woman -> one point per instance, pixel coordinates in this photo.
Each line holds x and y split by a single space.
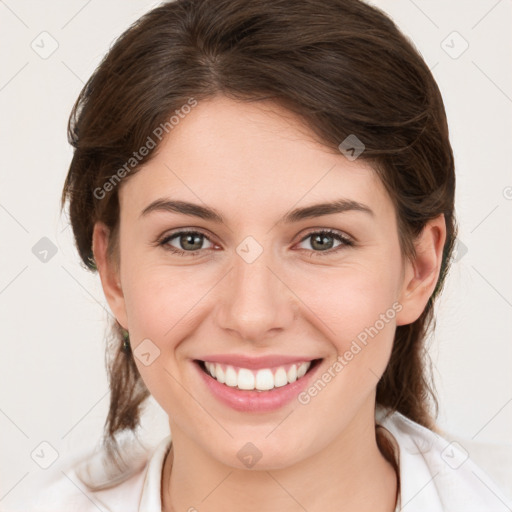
266 189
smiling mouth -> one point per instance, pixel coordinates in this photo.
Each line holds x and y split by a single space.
264 379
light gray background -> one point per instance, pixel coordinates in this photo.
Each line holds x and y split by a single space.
53 381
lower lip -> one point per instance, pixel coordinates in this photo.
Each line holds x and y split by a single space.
256 401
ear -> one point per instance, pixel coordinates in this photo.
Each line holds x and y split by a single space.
109 273
421 274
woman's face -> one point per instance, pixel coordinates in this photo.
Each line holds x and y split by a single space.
257 286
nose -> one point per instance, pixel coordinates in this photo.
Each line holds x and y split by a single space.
255 302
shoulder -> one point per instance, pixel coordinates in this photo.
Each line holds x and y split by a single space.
437 474
91 483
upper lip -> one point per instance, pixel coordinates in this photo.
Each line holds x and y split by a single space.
255 363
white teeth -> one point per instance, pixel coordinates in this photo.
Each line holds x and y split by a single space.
292 373
219 374
261 380
280 378
264 380
302 369
245 379
231 377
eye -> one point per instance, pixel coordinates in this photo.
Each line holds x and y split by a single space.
190 243
323 242
187 243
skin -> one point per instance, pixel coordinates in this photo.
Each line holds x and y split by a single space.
253 163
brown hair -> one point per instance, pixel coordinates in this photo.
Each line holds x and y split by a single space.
341 65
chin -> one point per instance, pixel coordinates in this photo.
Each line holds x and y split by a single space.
260 454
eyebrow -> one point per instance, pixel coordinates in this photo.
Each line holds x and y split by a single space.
296 215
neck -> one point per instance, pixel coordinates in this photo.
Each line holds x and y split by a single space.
349 474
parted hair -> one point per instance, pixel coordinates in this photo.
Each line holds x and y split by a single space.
342 66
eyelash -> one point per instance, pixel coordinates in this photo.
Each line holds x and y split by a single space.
345 242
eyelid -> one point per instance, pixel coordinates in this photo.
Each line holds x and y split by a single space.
331 231
345 241
162 240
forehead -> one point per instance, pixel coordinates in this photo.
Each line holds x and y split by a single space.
255 157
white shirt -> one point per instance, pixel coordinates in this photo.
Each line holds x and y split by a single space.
435 476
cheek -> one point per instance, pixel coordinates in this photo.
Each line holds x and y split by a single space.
355 308
160 304
166 306
349 299
158 297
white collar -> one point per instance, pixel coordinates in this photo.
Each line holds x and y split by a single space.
436 475
150 500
